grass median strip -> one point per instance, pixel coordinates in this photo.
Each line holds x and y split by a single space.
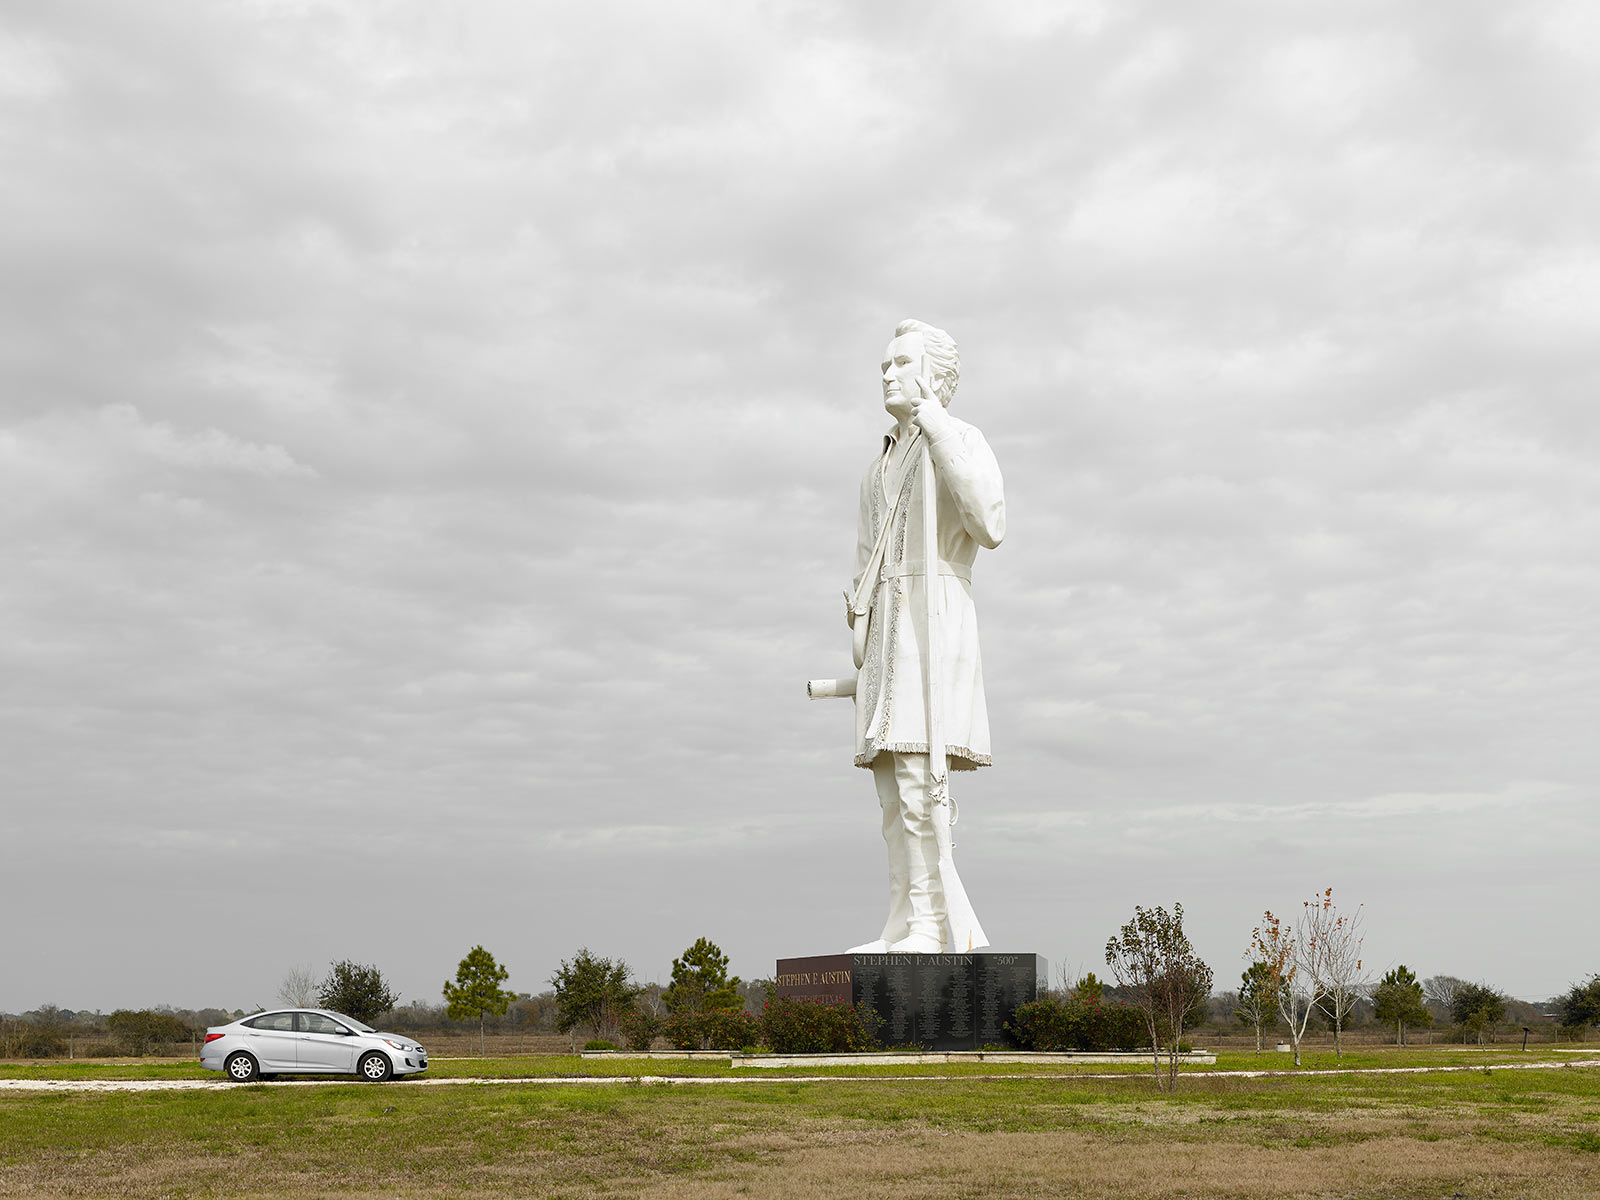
568 1066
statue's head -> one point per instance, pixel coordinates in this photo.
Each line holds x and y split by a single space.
922 340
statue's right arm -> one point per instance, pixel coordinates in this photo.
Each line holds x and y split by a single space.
968 467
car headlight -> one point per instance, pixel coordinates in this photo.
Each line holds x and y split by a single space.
396 1045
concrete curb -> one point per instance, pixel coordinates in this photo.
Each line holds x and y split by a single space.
891 1059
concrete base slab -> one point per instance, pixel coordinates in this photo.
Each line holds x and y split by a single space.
889 1059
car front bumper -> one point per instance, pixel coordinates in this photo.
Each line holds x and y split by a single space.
408 1063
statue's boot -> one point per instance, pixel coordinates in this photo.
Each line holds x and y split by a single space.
896 838
925 925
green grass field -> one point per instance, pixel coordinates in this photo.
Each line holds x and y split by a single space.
562 1065
892 1131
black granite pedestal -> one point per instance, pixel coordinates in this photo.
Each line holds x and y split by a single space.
937 1001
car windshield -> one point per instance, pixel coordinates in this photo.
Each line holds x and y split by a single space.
350 1021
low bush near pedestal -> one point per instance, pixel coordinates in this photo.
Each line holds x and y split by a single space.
796 1026
717 1029
1077 1024
714 1029
639 1029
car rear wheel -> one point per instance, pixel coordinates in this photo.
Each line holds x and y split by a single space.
241 1068
376 1066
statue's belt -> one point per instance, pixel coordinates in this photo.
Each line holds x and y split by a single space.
914 567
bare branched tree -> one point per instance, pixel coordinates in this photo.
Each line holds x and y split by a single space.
1336 938
299 988
1440 990
649 999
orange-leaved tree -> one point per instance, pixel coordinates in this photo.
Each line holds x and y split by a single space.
1278 952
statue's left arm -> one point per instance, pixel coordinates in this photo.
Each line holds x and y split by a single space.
967 467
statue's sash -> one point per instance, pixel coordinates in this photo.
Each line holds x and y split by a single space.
861 602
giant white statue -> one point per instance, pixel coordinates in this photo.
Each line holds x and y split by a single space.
931 497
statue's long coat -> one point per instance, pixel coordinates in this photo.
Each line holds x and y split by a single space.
891 703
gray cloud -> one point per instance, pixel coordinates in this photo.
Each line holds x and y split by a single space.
428 450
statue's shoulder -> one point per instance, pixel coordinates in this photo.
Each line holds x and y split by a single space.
965 430
964 427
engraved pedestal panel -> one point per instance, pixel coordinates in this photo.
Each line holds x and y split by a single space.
937 1001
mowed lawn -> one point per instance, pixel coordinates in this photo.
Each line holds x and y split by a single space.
512 1066
1488 1132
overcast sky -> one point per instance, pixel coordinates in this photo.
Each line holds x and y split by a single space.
430 439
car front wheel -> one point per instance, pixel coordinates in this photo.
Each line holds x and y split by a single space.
376 1066
241 1068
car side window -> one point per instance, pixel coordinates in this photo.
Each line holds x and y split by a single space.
317 1023
282 1022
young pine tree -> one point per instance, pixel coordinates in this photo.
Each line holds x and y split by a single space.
477 991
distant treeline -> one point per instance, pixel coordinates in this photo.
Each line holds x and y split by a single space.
52 1032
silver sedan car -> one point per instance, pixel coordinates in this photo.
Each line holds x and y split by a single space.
303 1041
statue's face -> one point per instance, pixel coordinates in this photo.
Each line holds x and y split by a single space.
902 362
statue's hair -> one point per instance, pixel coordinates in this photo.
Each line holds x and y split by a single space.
942 355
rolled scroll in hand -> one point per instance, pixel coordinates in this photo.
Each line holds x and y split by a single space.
821 689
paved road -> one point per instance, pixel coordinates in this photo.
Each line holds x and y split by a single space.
192 1085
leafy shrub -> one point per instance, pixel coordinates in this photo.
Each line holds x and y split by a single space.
1078 1024
358 991
599 1044
682 1030
1580 1008
39 1042
592 991
713 1029
141 1030
796 1026
730 1029
639 1028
